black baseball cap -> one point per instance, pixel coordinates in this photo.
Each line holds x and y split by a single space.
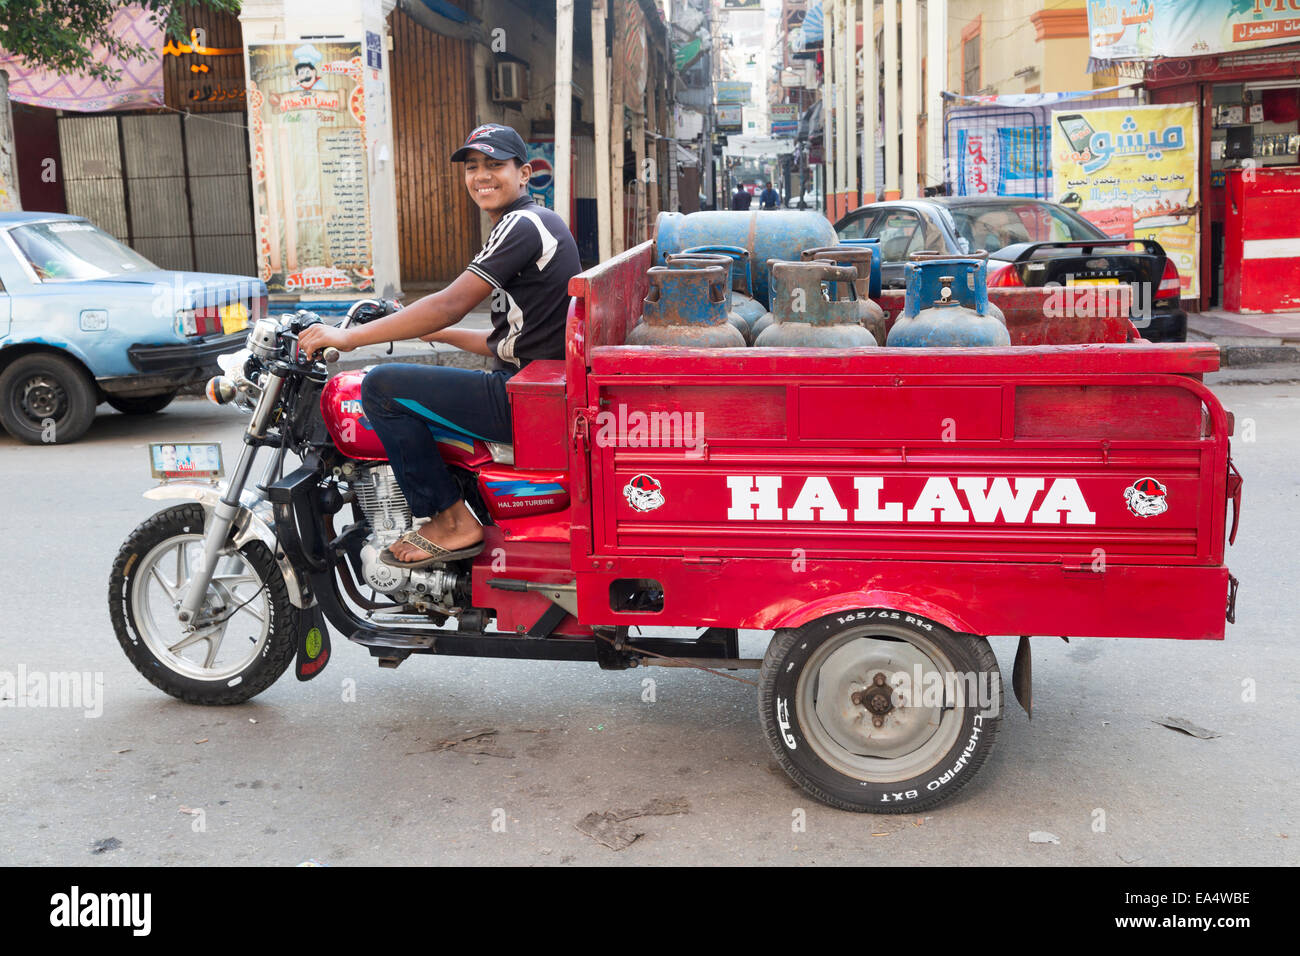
499 142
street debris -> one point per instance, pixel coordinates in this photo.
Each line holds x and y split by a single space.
103 846
203 741
1189 728
609 829
1129 857
190 810
1042 836
475 742
124 750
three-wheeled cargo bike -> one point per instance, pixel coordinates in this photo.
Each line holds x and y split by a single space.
880 512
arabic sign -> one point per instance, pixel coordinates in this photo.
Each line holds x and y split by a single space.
784 118
1142 29
1131 171
306 111
730 119
731 92
1008 161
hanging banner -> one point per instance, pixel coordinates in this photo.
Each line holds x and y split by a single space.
1141 29
140 85
731 92
1131 171
1007 161
306 111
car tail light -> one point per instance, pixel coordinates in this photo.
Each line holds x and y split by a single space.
1005 277
1170 285
204 321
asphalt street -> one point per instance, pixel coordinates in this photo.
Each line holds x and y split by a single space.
346 770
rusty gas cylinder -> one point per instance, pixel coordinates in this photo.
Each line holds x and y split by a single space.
870 314
687 307
814 305
698 260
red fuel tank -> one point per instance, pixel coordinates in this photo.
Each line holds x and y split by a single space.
340 407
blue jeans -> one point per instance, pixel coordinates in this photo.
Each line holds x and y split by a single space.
413 407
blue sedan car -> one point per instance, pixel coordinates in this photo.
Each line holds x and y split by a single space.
84 320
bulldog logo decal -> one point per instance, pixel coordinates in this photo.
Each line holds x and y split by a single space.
1146 498
644 493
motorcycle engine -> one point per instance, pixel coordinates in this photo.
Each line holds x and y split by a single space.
389 516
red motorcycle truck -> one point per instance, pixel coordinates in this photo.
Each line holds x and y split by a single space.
882 512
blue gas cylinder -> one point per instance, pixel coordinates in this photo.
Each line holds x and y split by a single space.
686 306
765 235
946 305
696 260
743 302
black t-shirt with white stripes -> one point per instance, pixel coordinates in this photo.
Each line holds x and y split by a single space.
528 259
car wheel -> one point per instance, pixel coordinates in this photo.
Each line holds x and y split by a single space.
879 711
141 404
46 399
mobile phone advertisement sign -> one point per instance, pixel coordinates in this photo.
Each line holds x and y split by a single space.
1142 29
1132 171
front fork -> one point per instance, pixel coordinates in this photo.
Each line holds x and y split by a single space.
223 515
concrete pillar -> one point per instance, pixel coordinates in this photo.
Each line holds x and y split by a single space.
850 103
911 59
830 104
600 80
870 92
890 55
936 59
563 107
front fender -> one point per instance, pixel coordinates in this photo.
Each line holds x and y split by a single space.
859 600
248 525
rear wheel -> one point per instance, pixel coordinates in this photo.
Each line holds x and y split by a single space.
247 629
879 711
141 404
46 399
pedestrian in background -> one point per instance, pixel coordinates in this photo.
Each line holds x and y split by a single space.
769 199
741 198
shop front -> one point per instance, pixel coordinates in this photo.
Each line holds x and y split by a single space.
1249 118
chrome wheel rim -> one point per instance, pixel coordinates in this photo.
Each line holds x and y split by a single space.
227 637
850 727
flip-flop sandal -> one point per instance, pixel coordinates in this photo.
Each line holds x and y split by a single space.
436 553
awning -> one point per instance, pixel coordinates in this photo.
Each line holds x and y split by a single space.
140 85
813 25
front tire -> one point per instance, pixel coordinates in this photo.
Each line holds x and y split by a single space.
254 631
46 399
879 711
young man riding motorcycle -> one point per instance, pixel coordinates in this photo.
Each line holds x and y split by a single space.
525 267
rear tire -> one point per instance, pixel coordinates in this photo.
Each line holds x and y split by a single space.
46 399
140 404
259 638
848 729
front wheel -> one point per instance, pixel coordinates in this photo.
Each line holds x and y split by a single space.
247 630
879 711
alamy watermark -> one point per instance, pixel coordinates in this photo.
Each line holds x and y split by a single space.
76 690
621 428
